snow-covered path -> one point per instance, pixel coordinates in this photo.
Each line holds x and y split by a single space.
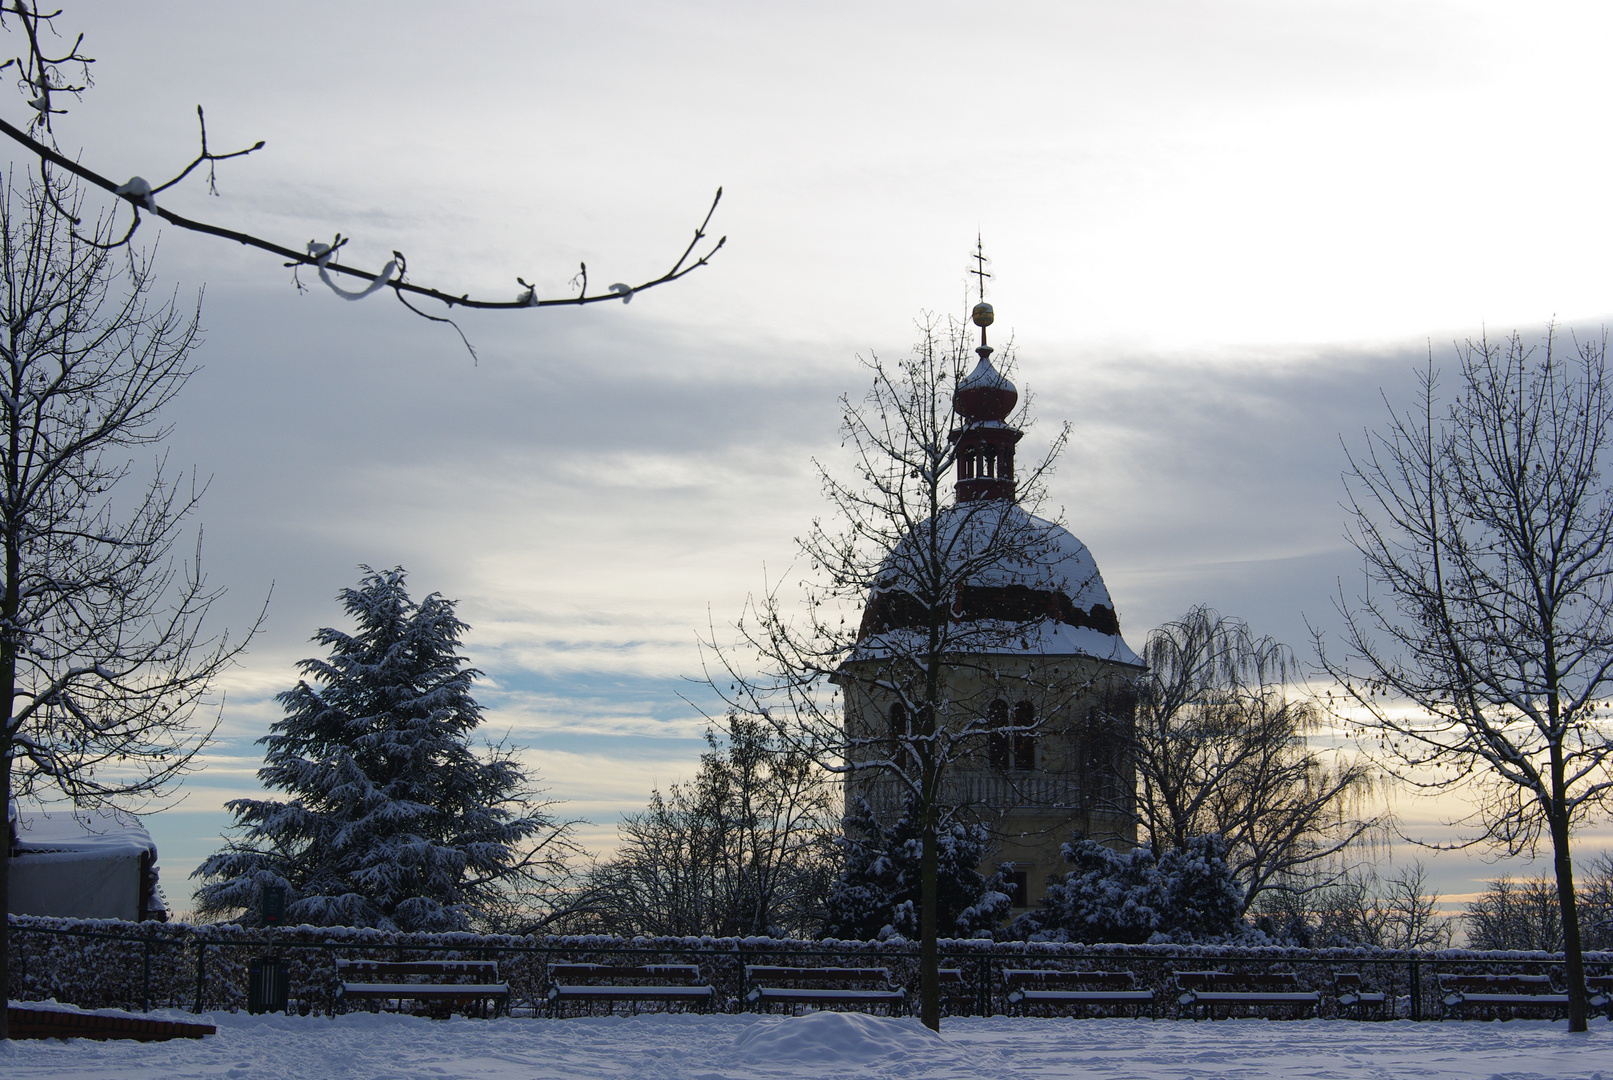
825 1045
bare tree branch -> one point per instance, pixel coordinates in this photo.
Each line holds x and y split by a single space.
43 75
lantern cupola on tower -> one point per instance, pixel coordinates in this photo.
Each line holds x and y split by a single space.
985 442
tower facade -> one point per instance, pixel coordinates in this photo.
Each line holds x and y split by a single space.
1025 726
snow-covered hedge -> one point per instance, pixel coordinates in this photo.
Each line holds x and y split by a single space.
107 963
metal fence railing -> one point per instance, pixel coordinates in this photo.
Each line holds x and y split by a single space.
151 965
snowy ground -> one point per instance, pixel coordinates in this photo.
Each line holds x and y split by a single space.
824 1045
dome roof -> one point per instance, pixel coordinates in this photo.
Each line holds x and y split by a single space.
1019 584
985 394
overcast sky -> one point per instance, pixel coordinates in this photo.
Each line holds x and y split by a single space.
1220 232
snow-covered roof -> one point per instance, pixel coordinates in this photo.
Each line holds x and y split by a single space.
89 831
1001 553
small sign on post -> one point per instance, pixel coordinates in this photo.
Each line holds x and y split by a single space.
272 904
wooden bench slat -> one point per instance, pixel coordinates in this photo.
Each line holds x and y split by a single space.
651 985
424 990
626 992
1199 990
1016 976
486 989
1507 999
1079 997
1227 997
617 971
418 967
808 993
826 974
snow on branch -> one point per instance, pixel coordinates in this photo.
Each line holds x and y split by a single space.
41 75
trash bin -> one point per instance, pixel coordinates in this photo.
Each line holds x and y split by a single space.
268 985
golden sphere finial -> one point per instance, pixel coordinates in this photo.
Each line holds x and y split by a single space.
982 314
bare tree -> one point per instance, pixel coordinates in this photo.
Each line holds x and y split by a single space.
1360 908
966 605
745 849
1220 748
1479 657
49 77
103 659
1516 915
1596 903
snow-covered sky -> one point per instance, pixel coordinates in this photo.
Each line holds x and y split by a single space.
1219 231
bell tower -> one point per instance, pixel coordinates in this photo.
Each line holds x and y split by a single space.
982 402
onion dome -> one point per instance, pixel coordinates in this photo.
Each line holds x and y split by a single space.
1030 588
982 401
1008 581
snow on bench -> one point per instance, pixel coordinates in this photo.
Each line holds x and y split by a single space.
1054 988
854 987
1208 989
459 992
1353 997
633 985
1600 991
1509 992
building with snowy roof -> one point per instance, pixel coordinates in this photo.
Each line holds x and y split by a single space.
1036 682
81 864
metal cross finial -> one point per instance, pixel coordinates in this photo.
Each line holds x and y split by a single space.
980 272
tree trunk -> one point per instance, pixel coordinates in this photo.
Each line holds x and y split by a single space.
929 926
5 884
1573 953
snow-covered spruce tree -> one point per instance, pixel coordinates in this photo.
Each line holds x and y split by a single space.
878 892
1111 896
394 820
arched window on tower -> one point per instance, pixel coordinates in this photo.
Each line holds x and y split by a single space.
1025 739
999 742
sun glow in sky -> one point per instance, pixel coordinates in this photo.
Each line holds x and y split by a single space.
1220 233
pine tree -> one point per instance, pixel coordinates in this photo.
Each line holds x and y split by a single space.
393 820
1113 896
877 895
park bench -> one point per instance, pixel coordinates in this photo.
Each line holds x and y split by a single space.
958 996
1599 989
667 984
1209 989
822 988
1354 998
1047 988
456 983
1508 993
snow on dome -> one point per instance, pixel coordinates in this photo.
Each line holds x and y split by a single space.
1021 585
985 376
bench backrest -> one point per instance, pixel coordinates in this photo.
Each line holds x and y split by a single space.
1114 980
838 975
1599 982
621 972
1506 983
1210 980
388 968
1347 980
